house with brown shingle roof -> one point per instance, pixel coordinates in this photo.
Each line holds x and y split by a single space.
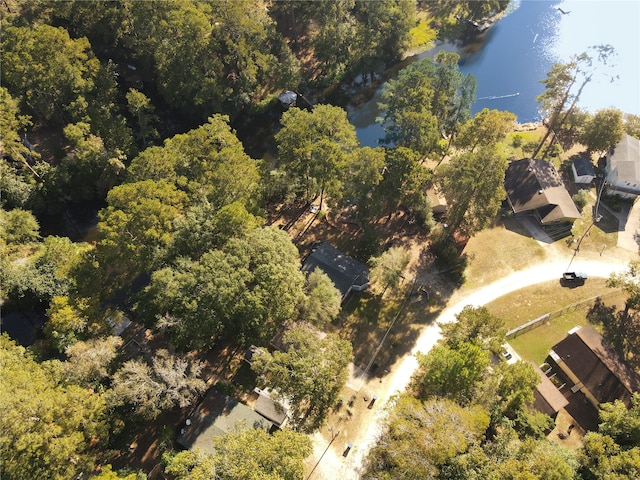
594 367
534 186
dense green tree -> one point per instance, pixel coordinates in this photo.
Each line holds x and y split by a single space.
383 31
452 373
136 225
387 269
629 281
408 119
245 454
246 291
32 282
404 183
15 189
142 109
309 373
364 173
510 458
209 57
314 147
89 170
166 381
603 131
486 129
601 457
203 227
477 326
517 382
12 123
208 162
336 33
427 101
54 74
107 473
323 299
473 184
421 437
60 80
632 125
48 429
453 93
621 423
65 323
18 227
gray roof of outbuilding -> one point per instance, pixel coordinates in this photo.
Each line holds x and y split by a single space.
547 398
583 167
344 271
216 415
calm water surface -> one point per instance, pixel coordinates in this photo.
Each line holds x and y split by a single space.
517 52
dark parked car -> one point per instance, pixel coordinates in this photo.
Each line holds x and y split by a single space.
573 279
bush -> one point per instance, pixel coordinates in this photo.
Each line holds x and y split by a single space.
517 140
581 199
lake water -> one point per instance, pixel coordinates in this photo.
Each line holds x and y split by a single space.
518 52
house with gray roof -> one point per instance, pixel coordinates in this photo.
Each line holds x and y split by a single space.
623 168
346 273
535 187
216 415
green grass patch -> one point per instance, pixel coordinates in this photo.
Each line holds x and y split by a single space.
522 306
535 344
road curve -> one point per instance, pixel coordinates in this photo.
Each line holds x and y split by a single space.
333 467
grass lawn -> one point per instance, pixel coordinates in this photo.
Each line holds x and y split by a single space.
498 251
535 344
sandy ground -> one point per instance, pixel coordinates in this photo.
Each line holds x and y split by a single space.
332 464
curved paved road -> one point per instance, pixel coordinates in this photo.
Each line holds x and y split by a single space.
334 466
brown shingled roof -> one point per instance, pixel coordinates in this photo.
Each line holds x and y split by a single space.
598 366
535 185
547 398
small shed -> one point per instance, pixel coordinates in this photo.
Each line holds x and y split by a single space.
583 171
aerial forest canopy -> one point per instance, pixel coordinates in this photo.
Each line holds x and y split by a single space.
148 173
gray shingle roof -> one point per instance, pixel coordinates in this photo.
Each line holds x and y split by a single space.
344 271
216 415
